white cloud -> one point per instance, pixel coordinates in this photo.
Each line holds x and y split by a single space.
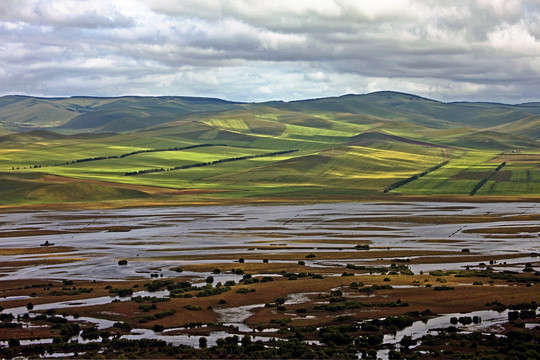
280 49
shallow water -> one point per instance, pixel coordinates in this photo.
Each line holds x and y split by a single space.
490 318
209 230
206 230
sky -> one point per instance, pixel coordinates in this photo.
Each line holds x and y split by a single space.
249 50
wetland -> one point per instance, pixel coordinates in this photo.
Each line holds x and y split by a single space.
351 280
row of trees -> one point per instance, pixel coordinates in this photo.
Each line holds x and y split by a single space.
188 166
486 179
97 158
414 177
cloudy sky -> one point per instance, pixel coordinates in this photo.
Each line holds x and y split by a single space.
279 49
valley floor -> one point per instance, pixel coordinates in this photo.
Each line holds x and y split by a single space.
387 279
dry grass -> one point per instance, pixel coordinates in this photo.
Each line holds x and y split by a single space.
504 230
319 255
36 250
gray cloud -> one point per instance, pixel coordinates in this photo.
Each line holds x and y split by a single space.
253 51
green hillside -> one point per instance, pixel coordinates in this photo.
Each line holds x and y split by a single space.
100 114
207 150
529 127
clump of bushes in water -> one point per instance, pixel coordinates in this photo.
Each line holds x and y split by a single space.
375 287
122 325
157 285
157 316
237 271
381 269
152 299
333 306
71 292
466 320
120 292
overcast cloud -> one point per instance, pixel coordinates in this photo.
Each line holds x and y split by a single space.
263 50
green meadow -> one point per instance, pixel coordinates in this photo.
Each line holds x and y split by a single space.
344 148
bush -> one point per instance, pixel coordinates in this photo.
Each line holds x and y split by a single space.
244 291
203 343
122 325
443 288
122 262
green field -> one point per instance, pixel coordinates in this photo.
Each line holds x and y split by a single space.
347 147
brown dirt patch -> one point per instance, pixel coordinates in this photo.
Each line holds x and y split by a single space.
319 255
504 230
36 250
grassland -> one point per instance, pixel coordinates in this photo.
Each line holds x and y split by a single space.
348 147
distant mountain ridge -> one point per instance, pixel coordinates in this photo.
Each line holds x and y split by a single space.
134 113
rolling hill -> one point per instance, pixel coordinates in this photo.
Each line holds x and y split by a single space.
335 148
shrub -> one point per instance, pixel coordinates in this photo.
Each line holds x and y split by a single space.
122 325
442 288
203 343
244 291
